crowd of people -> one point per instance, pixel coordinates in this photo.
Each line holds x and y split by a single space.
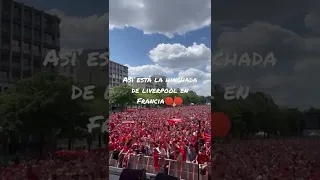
177 133
180 133
267 159
62 165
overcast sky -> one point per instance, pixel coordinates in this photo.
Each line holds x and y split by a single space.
289 29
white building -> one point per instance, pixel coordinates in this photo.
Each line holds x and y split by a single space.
159 85
144 85
117 72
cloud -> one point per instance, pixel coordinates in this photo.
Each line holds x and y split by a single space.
208 67
307 66
201 87
312 21
178 56
179 61
271 11
168 17
147 70
195 73
262 38
83 32
290 82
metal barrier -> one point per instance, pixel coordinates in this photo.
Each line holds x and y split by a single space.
180 169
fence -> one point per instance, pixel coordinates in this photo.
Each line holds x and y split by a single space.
182 170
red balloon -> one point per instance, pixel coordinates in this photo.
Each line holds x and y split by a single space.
220 124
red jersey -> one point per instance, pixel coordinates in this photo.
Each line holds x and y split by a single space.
156 160
202 158
184 154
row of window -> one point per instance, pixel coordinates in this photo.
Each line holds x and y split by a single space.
27 13
118 71
116 65
26 46
5 28
17 60
16 74
28 16
114 84
118 76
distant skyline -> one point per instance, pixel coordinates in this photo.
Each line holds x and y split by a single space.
152 40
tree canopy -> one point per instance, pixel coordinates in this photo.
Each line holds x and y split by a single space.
258 112
41 106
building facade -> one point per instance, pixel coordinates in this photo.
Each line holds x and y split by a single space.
26 35
144 85
116 74
96 75
159 85
89 75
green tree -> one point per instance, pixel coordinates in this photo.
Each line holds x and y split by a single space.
122 95
43 108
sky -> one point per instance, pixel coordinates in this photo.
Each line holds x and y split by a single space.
289 30
151 37
147 35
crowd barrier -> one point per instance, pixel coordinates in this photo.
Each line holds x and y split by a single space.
182 170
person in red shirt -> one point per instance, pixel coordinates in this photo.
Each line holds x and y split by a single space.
202 160
156 159
183 151
202 157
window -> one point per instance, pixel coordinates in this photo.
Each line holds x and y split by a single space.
27 31
5 58
17 12
37 34
3 75
5 27
26 62
27 16
37 63
16 43
16 29
36 48
16 59
26 46
26 73
38 18
5 41
16 73
49 38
